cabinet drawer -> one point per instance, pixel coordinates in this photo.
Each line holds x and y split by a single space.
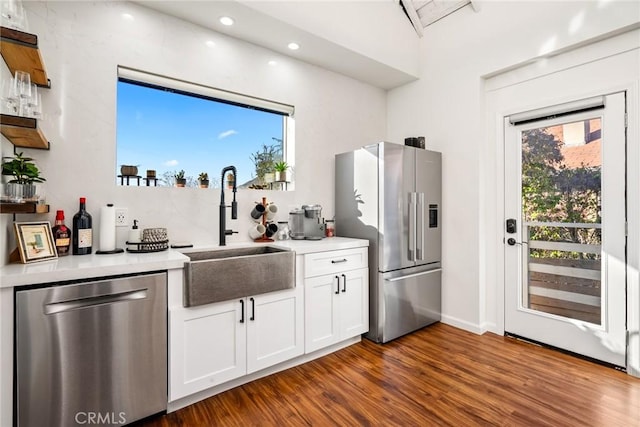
330 262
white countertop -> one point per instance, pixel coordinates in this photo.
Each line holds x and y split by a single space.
74 267
302 247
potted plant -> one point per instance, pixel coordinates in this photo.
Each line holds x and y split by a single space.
181 181
24 175
281 168
264 161
129 170
203 179
231 179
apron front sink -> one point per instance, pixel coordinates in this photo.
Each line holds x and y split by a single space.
222 275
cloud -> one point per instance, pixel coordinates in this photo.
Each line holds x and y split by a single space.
226 133
171 163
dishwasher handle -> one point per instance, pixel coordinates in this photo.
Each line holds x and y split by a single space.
76 304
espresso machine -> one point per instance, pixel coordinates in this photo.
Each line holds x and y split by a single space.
306 223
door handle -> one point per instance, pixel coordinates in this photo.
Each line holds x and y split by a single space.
412 226
338 287
420 228
59 307
338 261
241 311
512 242
344 283
408 276
253 309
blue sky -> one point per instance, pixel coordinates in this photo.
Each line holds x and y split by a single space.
168 132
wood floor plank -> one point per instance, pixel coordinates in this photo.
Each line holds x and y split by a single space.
438 376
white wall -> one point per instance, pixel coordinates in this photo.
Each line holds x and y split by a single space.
82 44
447 105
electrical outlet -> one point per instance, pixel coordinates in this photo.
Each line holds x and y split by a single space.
122 219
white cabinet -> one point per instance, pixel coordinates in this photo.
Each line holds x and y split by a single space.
336 297
275 329
215 343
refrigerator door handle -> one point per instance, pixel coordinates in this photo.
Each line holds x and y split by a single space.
408 276
412 226
420 228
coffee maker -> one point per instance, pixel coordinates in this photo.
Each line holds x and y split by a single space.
306 223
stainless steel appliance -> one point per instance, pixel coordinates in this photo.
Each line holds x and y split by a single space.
306 223
312 222
91 353
390 194
296 222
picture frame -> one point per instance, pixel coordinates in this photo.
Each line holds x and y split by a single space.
35 241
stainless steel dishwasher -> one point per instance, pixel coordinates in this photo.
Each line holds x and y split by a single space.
92 353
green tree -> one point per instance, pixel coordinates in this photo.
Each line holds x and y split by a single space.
551 192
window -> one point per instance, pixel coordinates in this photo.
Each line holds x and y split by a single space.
167 126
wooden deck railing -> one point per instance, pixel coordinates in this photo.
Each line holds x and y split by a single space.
562 286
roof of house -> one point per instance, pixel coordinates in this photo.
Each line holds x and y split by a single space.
587 155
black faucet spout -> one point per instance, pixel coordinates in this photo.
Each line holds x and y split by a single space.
223 207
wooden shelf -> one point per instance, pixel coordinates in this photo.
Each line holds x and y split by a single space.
23 208
23 132
20 52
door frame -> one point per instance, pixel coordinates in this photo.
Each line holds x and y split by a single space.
498 115
583 337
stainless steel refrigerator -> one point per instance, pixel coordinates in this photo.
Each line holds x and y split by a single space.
391 195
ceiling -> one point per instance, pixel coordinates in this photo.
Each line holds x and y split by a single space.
335 35
422 13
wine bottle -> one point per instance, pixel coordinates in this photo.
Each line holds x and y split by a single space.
61 235
82 233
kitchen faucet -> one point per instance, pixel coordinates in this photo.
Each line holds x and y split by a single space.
234 206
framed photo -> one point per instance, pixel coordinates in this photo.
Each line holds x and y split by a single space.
35 241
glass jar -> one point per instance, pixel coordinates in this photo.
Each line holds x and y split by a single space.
329 228
283 230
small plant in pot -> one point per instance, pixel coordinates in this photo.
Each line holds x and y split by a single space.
181 181
129 170
24 175
281 168
203 179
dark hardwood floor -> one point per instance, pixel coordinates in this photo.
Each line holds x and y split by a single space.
439 376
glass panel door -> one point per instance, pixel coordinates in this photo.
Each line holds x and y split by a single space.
565 237
561 194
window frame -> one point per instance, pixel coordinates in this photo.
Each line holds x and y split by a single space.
183 87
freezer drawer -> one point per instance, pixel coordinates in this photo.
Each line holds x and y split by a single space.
92 352
409 302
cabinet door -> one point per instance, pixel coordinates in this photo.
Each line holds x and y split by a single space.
320 312
353 303
208 347
275 328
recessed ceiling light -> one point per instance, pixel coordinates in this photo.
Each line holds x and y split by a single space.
210 43
293 46
272 63
226 20
127 16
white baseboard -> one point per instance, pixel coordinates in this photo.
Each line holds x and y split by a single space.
463 324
